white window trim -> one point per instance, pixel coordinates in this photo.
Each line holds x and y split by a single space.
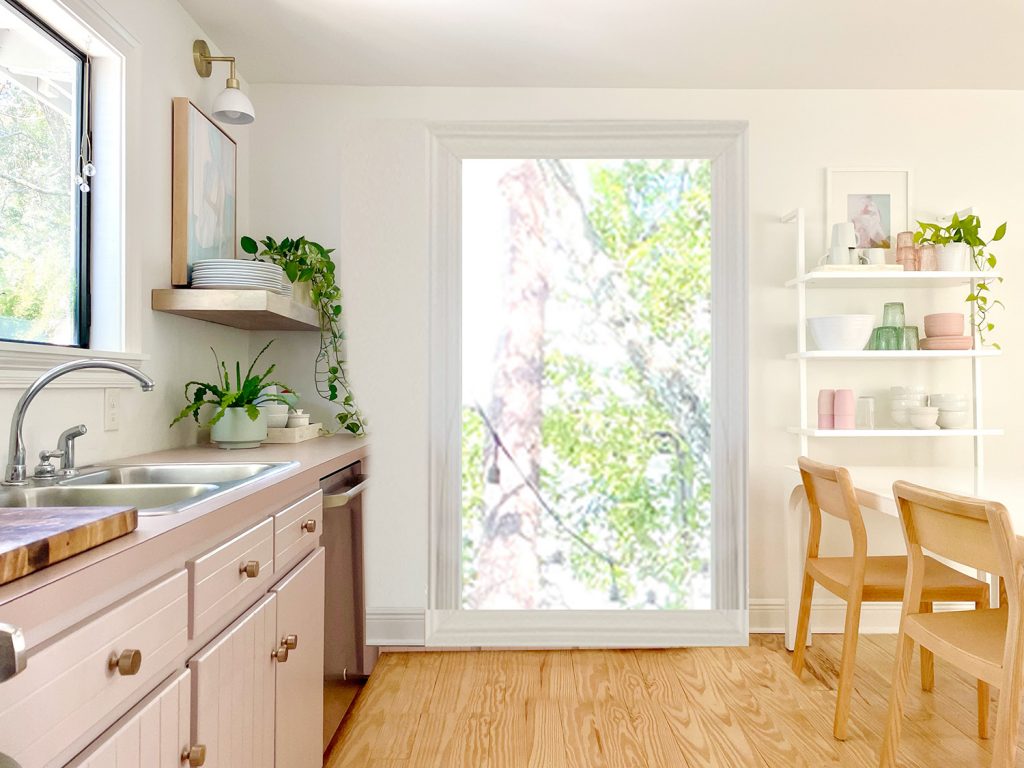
723 142
116 298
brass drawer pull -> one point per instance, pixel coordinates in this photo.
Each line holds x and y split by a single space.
309 526
280 654
250 569
291 642
194 756
126 663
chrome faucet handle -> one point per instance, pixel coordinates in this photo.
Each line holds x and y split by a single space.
44 470
66 444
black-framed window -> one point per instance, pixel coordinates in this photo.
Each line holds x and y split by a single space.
45 178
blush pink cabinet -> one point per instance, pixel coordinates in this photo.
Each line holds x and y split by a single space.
233 691
155 734
300 679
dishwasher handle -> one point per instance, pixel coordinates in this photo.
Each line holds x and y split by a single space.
337 500
12 651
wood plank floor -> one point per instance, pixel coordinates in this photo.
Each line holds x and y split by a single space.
649 709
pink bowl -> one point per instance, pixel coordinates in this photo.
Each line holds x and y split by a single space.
944 324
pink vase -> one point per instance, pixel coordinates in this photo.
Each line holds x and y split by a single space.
826 406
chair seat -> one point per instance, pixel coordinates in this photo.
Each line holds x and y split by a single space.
973 640
885 577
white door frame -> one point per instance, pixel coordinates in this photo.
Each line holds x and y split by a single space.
725 144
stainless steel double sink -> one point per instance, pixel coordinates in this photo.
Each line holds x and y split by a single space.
155 489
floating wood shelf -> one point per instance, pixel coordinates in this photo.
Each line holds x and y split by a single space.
253 310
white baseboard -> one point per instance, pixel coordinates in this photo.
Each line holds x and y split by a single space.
768 616
395 626
407 626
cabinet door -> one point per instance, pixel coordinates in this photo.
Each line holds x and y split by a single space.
152 735
233 692
300 679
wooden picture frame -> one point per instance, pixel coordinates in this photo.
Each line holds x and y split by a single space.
204 184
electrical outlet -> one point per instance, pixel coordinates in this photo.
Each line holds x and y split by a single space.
111 409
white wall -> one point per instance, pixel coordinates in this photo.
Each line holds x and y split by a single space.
348 166
159 68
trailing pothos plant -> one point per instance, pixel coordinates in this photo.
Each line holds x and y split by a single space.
305 261
967 230
245 393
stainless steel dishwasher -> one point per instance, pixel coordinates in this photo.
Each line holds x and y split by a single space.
346 655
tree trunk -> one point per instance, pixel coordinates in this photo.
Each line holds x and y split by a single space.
508 564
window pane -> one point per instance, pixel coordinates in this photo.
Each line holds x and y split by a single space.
586 384
40 87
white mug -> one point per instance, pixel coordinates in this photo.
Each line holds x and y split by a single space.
840 254
872 256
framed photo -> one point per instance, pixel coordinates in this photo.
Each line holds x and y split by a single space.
203 191
877 201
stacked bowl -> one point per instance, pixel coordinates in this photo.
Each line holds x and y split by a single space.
952 410
905 402
945 331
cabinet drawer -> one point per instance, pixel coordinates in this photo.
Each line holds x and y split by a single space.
69 686
152 735
218 580
297 531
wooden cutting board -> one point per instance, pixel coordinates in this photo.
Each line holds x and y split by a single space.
32 538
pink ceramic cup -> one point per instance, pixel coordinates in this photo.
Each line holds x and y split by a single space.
845 409
944 324
826 405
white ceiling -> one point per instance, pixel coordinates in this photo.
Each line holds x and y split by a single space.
624 43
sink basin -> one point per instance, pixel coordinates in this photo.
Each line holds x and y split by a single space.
161 474
152 499
154 489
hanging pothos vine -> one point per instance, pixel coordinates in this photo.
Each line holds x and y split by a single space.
307 262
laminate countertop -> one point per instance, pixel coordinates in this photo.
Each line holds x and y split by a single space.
52 599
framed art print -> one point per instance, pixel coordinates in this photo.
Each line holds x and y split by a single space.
203 191
877 201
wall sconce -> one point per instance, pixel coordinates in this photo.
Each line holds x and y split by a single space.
231 105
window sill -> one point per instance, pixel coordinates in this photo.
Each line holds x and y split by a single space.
21 364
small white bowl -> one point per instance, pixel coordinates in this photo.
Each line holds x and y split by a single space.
923 417
952 419
276 413
907 390
900 416
841 333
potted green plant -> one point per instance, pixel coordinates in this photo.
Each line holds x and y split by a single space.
308 262
237 421
961 247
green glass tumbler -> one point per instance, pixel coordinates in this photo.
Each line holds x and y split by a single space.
893 315
888 338
873 341
909 338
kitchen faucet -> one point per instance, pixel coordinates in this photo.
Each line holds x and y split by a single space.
16 474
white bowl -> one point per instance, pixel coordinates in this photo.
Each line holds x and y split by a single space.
908 402
923 416
948 401
901 416
912 390
276 413
952 419
841 333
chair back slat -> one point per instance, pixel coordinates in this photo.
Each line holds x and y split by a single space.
955 527
830 489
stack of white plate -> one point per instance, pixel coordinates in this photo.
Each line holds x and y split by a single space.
237 274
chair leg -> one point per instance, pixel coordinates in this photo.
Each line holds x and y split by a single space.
1004 745
984 696
897 700
844 690
927 659
803 621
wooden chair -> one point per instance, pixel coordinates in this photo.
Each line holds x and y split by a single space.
988 643
860 579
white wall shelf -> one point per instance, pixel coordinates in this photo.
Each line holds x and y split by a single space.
872 433
917 354
883 279
888 279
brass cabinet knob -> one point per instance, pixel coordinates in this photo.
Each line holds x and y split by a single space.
128 662
194 756
291 642
309 526
250 569
280 654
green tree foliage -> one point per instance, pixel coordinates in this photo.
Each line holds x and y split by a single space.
36 218
626 412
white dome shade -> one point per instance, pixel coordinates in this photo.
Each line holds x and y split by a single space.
232 106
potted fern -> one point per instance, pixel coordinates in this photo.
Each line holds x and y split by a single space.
307 262
237 421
